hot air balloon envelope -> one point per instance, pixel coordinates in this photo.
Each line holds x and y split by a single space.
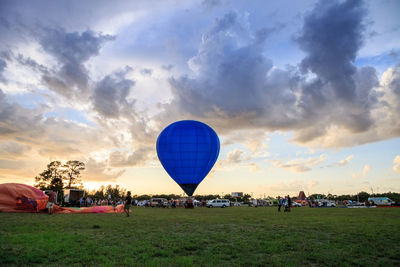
24 198
188 150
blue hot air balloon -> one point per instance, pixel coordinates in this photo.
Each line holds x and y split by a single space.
188 150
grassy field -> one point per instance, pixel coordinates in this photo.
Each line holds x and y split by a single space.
180 237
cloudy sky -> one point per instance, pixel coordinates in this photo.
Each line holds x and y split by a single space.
304 95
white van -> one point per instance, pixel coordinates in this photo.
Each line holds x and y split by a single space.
381 201
223 203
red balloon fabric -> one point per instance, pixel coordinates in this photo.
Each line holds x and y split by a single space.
94 209
21 198
24 198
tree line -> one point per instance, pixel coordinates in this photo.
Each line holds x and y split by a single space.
107 192
60 176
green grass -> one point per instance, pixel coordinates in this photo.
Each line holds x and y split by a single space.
180 237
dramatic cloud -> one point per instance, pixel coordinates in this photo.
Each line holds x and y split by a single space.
67 90
146 71
255 140
12 149
331 37
10 164
234 85
100 171
72 50
167 67
391 88
3 65
235 156
49 136
228 76
138 158
110 95
15 120
68 76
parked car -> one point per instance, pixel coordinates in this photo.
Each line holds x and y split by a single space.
354 203
327 204
223 203
142 203
331 204
158 202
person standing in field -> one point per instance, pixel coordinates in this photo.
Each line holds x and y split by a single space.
279 203
50 202
114 204
285 204
127 204
289 203
255 203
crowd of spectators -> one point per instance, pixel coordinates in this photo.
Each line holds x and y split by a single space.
89 202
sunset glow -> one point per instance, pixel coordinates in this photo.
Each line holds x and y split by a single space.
300 99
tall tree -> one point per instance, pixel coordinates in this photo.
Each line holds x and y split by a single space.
114 192
363 196
99 193
72 170
51 178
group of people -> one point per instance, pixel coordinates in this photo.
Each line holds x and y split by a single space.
127 202
88 202
286 202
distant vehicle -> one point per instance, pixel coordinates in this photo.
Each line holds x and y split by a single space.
142 203
326 203
331 204
381 201
352 203
72 197
158 202
237 204
223 203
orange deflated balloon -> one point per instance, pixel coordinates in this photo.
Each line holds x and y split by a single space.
21 198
